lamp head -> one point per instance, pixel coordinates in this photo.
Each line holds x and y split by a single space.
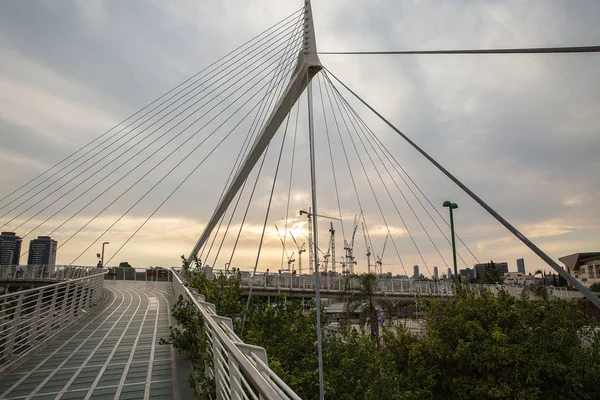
454 206
106 243
447 204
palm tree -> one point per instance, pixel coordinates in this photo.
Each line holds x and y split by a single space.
362 299
540 272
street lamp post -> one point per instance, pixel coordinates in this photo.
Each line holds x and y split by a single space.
452 206
102 259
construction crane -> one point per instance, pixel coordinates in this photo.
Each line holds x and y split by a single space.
367 247
301 250
349 248
332 246
309 215
290 259
379 258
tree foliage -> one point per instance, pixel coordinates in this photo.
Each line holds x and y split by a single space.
362 299
472 347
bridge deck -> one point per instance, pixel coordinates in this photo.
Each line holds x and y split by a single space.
112 352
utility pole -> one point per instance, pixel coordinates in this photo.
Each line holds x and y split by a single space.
102 259
452 206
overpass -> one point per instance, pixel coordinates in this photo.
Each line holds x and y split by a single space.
303 286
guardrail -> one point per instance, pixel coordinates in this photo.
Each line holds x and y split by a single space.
44 272
30 317
385 286
340 283
240 370
133 274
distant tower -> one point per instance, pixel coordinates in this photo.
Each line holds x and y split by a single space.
416 272
521 265
435 273
10 248
450 273
42 251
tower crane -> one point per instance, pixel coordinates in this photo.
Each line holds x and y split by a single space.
332 245
367 247
349 248
290 259
379 263
301 250
309 215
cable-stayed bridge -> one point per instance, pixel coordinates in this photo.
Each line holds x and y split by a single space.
287 144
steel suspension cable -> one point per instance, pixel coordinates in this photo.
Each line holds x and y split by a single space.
524 50
335 184
287 207
383 184
216 68
237 203
266 219
293 42
290 51
350 109
254 128
247 207
168 173
144 160
350 170
395 165
389 155
136 144
149 105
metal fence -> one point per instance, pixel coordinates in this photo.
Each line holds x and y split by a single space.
240 370
30 317
340 283
133 274
45 272
387 286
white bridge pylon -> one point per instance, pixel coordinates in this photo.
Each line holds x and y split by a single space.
307 67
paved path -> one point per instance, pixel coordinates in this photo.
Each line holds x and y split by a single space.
111 353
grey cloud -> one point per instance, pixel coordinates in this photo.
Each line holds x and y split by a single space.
523 132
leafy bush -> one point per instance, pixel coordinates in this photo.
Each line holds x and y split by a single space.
473 347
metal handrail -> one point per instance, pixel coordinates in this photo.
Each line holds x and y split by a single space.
45 272
33 316
238 367
338 284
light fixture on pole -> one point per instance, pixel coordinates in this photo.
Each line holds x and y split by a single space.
452 206
102 259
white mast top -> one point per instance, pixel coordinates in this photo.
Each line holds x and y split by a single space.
310 43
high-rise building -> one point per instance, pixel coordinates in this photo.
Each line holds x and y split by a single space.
10 248
501 268
416 272
521 265
435 273
449 274
468 272
42 251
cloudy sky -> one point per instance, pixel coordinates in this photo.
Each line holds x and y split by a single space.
522 131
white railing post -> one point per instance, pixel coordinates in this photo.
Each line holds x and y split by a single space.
240 371
50 318
36 318
65 301
12 336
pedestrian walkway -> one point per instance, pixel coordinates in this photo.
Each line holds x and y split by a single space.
111 353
